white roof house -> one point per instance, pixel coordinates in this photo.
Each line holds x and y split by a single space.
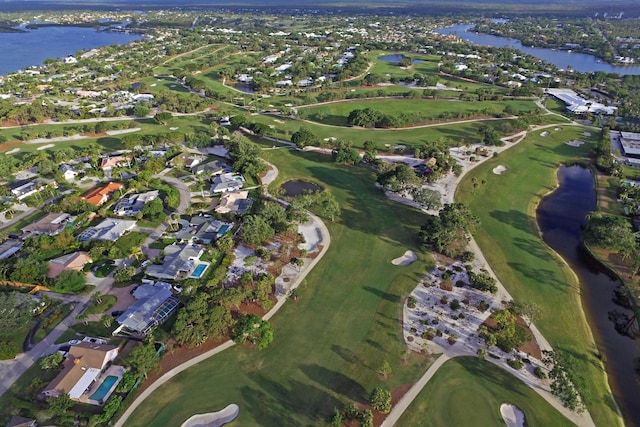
576 104
109 229
227 182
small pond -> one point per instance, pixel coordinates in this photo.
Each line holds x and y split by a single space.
243 87
296 188
396 58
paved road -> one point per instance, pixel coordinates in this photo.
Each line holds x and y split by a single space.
11 370
185 192
325 241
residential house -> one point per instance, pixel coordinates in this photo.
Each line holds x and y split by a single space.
215 167
108 163
53 223
23 189
179 262
73 261
204 229
132 205
100 196
227 182
236 202
82 367
155 303
68 172
10 247
109 229
17 421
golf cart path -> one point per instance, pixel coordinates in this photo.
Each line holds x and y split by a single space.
582 419
322 230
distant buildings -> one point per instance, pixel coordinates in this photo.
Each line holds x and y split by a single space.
578 105
630 144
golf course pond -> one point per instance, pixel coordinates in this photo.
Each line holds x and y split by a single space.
295 187
561 217
396 58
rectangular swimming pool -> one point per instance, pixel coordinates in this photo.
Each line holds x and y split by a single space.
199 270
104 388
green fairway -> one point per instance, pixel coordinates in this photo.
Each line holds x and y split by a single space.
530 271
430 109
468 391
385 139
329 344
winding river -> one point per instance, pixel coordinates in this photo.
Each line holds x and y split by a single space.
560 58
561 216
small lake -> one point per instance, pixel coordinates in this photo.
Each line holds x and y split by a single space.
560 217
296 188
560 58
21 50
396 58
243 87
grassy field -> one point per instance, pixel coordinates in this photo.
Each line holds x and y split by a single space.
328 344
337 113
107 301
458 134
530 271
468 391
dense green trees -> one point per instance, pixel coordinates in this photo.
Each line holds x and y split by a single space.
380 399
197 321
344 153
16 310
448 232
251 328
256 230
304 137
567 384
609 232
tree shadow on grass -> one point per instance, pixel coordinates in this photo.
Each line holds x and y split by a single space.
335 381
516 219
288 402
542 276
482 369
347 355
385 295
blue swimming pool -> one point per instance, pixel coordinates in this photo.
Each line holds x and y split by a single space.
223 229
104 388
199 270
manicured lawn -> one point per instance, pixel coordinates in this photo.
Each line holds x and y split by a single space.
108 301
337 113
458 134
328 344
467 391
530 271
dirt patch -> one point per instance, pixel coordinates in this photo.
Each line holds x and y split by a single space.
9 146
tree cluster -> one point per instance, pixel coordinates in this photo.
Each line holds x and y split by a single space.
448 232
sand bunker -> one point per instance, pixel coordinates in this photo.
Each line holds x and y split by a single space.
587 133
558 129
575 143
545 133
278 121
511 415
15 150
213 419
499 170
44 147
331 138
406 259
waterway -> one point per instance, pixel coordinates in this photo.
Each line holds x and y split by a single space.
21 50
560 58
396 58
560 217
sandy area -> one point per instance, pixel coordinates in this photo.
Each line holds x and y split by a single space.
574 143
312 236
278 121
44 147
587 133
511 415
213 419
406 259
331 138
15 150
122 131
558 129
499 170
545 133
